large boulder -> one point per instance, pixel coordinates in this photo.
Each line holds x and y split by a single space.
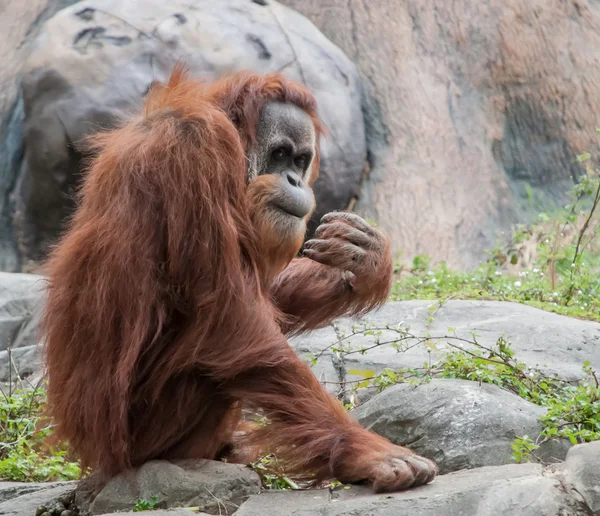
467 105
458 423
524 490
213 487
25 502
20 23
94 61
583 474
12 490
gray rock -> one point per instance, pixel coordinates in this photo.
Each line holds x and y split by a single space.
582 471
19 25
215 487
288 503
523 489
28 502
457 423
328 367
26 361
10 490
94 61
491 491
21 298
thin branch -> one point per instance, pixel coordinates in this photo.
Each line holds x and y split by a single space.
585 226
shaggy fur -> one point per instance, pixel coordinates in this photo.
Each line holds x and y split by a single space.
167 305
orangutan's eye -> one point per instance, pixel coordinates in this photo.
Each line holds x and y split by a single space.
279 153
301 161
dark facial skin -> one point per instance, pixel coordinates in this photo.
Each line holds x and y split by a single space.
286 143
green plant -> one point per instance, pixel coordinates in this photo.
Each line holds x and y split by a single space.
146 505
272 474
24 454
523 448
574 410
553 263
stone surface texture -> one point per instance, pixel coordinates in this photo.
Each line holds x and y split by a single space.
513 489
20 23
214 487
524 490
21 297
25 502
458 423
582 469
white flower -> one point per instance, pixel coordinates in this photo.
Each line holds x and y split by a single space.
433 280
517 284
535 271
420 282
497 273
580 292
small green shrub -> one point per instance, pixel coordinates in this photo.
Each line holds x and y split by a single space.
523 449
146 505
272 474
24 457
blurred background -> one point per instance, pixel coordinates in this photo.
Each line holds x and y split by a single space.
451 122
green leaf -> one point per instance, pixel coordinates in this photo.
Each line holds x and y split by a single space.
367 373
